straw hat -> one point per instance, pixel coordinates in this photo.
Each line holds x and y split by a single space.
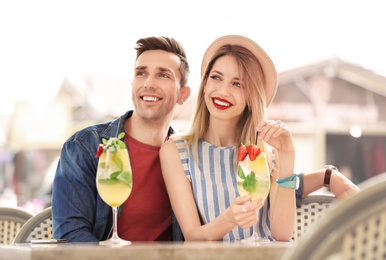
266 63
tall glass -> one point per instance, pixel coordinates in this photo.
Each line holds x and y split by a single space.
254 180
114 184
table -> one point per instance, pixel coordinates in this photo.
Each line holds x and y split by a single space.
145 250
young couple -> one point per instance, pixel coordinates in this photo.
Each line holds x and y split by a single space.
238 84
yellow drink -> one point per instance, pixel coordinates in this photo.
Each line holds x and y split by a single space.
114 180
113 192
256 181
261 191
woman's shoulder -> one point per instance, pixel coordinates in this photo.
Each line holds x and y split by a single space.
167 145
179 141
171 145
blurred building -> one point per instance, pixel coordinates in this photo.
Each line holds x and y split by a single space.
335 112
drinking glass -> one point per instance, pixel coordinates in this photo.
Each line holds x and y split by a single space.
254 180
114 185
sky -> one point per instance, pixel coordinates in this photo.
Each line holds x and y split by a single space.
44 41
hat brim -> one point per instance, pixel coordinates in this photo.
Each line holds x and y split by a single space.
266 63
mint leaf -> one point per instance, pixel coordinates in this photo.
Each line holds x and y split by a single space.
118 162
125 176
121 135
114 175
250 183
240 172
113 144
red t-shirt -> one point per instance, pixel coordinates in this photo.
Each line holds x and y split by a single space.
146 214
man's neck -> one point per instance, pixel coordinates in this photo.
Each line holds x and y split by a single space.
151 132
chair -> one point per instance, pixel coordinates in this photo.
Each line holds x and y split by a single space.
312 208
11 221
37 227
354 228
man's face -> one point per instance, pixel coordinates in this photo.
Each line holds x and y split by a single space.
156 84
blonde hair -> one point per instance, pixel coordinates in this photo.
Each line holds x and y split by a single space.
254 91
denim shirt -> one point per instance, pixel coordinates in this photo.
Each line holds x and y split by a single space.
78 212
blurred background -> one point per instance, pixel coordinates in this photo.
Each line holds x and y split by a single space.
67 64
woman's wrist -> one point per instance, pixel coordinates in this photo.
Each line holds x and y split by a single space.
291 182
286 154
287 165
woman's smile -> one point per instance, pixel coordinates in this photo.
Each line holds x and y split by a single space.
221 103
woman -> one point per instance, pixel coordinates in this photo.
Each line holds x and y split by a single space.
199 167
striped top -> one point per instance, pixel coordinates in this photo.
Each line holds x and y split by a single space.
214 184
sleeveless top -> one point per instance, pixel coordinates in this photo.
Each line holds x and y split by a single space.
214 184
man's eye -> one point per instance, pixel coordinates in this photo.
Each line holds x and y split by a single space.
140 73
164 75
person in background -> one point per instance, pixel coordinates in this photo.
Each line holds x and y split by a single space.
79 215
238 83
328 177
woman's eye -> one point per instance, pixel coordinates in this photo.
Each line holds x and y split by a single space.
215 77
237 84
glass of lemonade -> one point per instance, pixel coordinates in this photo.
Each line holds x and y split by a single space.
114 182
255 182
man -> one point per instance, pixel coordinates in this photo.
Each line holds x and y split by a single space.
79 215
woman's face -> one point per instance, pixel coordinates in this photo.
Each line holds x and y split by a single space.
224 94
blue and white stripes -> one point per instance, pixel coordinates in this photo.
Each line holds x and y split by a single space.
213 179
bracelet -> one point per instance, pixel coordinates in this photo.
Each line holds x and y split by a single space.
327 175
291 182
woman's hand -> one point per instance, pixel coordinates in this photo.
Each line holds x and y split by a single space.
276 134
242 212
